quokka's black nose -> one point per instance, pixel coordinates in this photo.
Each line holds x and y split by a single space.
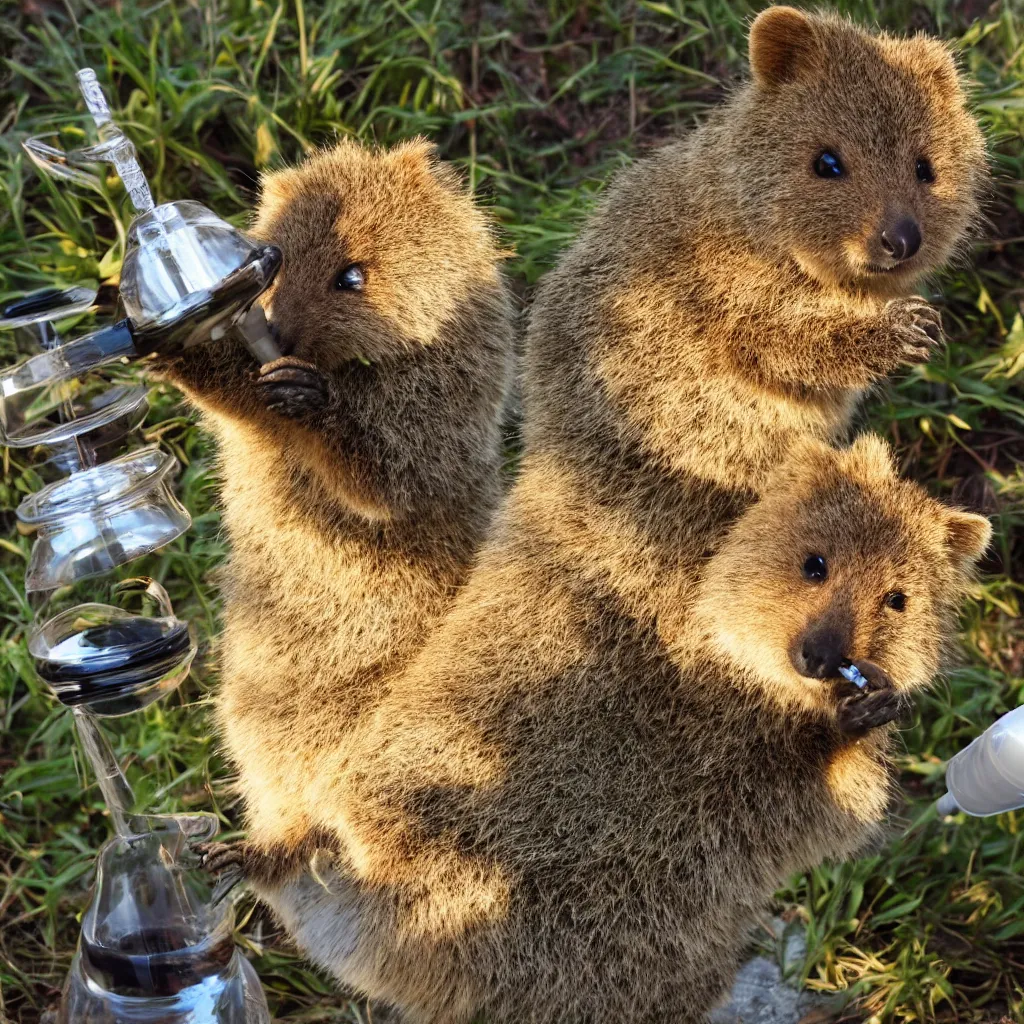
819 653
902 240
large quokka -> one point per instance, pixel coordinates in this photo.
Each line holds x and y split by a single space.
555 818
361 470
572 803
745 285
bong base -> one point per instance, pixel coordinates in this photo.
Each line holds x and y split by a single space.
231 996
155 948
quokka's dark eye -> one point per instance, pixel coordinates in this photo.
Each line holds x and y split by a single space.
896 601
828 165
923 170
350 279
815 569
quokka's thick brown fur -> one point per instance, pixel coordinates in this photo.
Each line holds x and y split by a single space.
554 817
360 471
572 804
724 298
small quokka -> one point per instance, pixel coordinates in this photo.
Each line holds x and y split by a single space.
553 817
360 471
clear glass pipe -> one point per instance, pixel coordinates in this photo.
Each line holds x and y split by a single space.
101 518
155 946
188 276
106 658
117 793
31 388
121 153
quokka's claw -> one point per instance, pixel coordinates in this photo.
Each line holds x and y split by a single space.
227 860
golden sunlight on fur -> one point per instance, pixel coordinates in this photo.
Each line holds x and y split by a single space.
551 815
564 790
361 470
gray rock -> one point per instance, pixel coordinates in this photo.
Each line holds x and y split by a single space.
760 996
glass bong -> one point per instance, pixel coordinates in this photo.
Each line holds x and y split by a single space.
155 945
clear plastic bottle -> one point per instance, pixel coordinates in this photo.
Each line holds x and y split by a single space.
154 948
987 777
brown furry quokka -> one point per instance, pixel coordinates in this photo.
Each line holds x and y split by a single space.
573 802
745 285
555 817
361 470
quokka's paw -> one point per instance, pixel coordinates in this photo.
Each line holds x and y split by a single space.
228 861
877 703
292 387
218 856
915 329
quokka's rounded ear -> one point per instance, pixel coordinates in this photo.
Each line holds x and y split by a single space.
870 458
967 535
804 450
418 149
420 154
805 458
933 63
276 190
278 186
783 46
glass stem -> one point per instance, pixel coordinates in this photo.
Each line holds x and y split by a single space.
113 784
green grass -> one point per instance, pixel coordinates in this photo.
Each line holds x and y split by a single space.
538 103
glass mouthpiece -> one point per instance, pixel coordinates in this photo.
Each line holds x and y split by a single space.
187 276
122 152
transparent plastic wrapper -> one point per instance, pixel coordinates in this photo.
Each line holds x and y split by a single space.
852 674
101 518
987 777
189 277
154 946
